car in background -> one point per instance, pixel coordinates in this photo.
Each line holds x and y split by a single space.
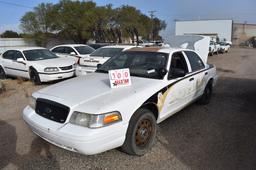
74 51
224 47
89 63
214 48
35 63
145 43
98 45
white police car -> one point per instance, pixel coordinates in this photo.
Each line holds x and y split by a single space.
87 116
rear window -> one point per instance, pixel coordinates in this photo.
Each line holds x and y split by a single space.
84 49
106 52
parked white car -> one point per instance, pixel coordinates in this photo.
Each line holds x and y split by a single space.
88 64
74 51
214 48
224 47
99 118
35 63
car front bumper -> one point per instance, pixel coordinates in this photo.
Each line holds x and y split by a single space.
45 77
76 138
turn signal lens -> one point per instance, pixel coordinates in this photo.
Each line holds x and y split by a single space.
111 118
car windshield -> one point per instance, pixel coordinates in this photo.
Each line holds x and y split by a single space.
140 63
222 43
38 54
106 52
84 49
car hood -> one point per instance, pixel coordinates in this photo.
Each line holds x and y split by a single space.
92 93
56 62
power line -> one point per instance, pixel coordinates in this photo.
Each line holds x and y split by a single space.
15 4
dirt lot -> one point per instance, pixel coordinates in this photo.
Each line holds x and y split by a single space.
220 135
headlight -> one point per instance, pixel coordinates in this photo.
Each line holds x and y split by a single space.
95 121
32 102
51 69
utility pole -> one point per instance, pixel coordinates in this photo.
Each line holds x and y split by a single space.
151 13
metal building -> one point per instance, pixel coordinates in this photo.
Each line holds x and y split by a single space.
216 29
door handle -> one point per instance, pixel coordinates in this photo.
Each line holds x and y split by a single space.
191 79
206 73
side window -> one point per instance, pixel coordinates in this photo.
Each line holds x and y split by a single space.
12 55
195 61
68 50
58 50
17 54
8 55
178 62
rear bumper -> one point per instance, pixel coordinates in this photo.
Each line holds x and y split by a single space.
76 138
83 70
45 77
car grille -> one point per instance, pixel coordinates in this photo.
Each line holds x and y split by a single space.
66 68
52 110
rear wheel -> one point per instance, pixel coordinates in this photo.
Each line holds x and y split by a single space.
34 77
2 73
206 97
141 133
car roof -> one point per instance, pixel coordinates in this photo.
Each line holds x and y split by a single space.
125 47
25 48
69 45
158 49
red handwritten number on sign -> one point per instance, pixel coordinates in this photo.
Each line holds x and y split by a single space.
126 74
113 76
119 75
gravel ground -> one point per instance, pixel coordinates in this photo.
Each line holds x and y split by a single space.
220 135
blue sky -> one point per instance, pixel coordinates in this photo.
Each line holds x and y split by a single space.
168 10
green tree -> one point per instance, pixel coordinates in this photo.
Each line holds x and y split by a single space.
38 23
10 34
158 25
84 20
75 19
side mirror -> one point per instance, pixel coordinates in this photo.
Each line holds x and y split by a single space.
176 72
99 65
21 60
162 72
72 53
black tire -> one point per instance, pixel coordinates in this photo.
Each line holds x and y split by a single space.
206 97
2 73
141 133
34 76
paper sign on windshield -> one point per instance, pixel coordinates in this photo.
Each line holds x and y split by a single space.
119 78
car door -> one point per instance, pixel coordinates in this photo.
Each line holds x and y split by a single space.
176 95
13 67
197 72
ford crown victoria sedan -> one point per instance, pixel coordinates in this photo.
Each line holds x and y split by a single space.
99 118
35 63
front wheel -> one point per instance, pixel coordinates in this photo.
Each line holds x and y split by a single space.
2 73
34 77
141 133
